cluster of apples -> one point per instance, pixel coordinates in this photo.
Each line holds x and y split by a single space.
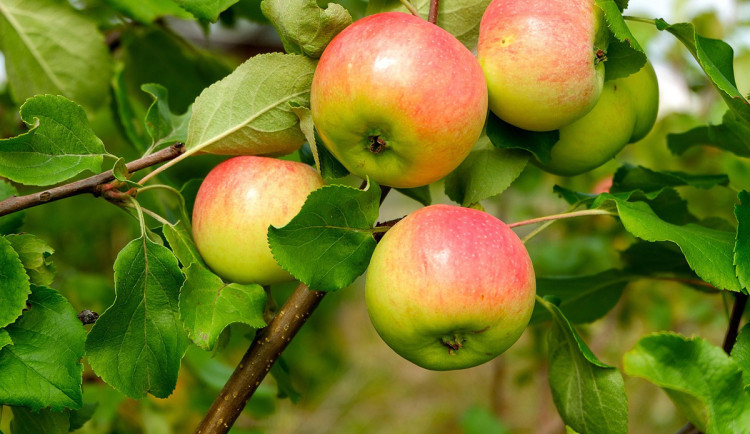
401 101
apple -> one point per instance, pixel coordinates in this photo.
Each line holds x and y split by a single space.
398 99
450 287
625 113
542 60
236 203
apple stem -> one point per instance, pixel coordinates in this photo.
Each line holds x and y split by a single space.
432 17
410 7
566 215
639 19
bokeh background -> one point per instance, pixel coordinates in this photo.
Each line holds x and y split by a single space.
340 375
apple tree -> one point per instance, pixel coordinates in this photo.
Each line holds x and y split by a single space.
196 194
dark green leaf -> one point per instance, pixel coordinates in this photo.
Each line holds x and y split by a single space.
645 258
136 345
742 240
189 190
250 111
35 257
741 353
15 284
506 136
10 223
43 366
589 395
627 54
50 48
329 243
280 373
182 245
484 173
628 178
702 380
39 422
208 305
60 144
459 17
420 194
147 12
330 167
733 135
206 10
582 298
5 338
78 418
161 124
304 27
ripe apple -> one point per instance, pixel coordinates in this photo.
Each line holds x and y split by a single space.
542 60
236 203
450 287
625 113
398 99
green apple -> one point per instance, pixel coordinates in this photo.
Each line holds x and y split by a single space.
625 113
450 287
542 60
398 99
236 203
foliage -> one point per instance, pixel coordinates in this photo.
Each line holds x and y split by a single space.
670 245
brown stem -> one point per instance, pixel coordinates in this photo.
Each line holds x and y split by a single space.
257 362
432 17
265 349
740 301
88 185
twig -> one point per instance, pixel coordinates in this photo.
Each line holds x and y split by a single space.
410 7
566 215
88 185
432 17
265 349
740 301
257 362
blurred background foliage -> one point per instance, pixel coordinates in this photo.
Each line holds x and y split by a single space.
342 377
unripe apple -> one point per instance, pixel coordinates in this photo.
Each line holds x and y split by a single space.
625 113
542 60
450 287
236 203
398 99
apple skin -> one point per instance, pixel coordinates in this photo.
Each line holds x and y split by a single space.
625 113
446 275
539 58
399 79
236 203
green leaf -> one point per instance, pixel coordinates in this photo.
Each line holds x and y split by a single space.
478 420
5 338
484 173
589 395
280 373
742 239
43 366
702 380
304 27
627 54
78 418
709 252
40 422
50 48
308 129
206 10
15 284
136 345
741 353
126 110
646 258
330 167
459 17
628 178
122 174
60 144
208 305
733 135
182 245
251 108
420 194
329 243
161 124
10 223
35 257
506 136
582 298
147 12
